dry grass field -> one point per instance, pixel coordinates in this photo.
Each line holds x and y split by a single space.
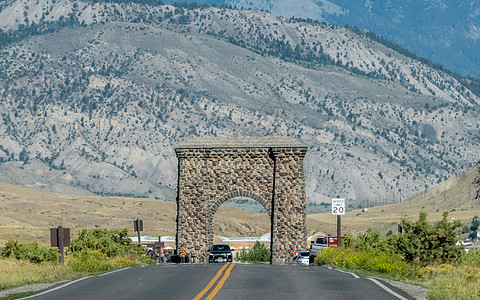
27 213
460 196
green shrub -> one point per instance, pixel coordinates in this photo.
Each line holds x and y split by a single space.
112 243
102 250
326 257
420 243
31 252
258 254
370 241
88 260
423 243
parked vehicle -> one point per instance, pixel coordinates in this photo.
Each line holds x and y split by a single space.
302 258
322 243
220 253
177 259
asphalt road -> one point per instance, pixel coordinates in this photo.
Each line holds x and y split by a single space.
223 281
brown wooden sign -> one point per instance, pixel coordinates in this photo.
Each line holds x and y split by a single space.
60 237
54 237
159 245
138 226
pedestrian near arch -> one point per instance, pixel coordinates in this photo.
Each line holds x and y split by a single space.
162 255
181 252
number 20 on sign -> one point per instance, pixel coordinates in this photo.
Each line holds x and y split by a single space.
338 206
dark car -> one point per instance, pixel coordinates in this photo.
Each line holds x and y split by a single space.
220 253
177 259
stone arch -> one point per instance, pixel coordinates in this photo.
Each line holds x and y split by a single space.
230 195
238 193
268 170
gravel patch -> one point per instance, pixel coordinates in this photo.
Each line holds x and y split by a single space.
417 292
29 288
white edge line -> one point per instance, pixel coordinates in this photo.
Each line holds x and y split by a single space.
72 282
387 289
57 288
353 274
114 271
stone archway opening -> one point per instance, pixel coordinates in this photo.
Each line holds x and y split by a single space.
245 203
241 222
266 169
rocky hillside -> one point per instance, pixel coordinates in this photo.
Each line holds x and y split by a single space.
95 95
446 32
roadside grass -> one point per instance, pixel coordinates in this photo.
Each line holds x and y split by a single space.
443 281
94 261
14 273
452 282
374 262
95 251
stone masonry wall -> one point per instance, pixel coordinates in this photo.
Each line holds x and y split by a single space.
289 231
209 177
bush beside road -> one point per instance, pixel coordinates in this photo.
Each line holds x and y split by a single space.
424 254
94 252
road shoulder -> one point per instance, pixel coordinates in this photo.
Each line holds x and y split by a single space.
30 288
415 291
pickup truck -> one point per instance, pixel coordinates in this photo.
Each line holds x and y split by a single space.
322 243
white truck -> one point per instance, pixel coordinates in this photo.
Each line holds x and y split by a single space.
322 243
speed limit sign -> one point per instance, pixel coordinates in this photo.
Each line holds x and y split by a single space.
338 206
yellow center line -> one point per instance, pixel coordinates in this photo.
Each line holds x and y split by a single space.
220 283
209 285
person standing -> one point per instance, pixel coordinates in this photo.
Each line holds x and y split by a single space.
182 254
162 255
150 253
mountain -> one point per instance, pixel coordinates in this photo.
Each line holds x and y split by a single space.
95 95
445 32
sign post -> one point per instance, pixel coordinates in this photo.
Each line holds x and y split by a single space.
60 237
338 208
138 226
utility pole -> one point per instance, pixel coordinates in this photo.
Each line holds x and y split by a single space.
61 244
339 230
444 188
